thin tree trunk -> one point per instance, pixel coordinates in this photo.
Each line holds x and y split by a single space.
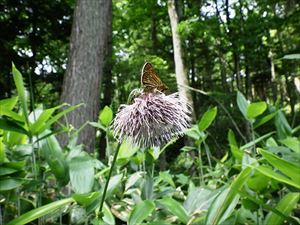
107 79
85 67
181 75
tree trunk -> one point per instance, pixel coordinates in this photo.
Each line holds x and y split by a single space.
181 75
85 67
107 79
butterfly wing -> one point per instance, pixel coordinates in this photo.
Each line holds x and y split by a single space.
150 79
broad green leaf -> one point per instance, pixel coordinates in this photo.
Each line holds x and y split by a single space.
293 143
290 169
257 140
113 184
242 103
285 206
166 176
281 178
18 79
57 117
193 132
258 182
140 212
175 208
11 114
227 197
81 174
235 150
86 199
6 170
207 118
292 56
52 152
11 125
108 217
198 199
127 150
106 116
282 126
41 211
264 119
255 109
8 103
10 183
42 119
133 178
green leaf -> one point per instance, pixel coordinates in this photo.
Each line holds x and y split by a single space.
41 121
41 211
81 174
6 171
18 79
263 120
133 178
113 184
108 217
127 150
242 104
167 177
51 150
140 212
207 118
235 150
106 116
9 103
86 199
226 198
270 173
255 109
285 206
56 118
7 112
290 169
175 208
198 199
292 56
282 126
10 183
257 140
11 125
292 143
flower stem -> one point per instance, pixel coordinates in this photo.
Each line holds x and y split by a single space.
109 176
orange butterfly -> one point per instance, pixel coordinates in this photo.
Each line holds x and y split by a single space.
150 80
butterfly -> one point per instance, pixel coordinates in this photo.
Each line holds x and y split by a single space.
150 80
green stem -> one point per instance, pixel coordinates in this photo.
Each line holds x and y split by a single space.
109 176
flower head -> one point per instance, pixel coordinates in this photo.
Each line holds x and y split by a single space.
152 119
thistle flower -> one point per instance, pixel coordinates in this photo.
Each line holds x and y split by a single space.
152 119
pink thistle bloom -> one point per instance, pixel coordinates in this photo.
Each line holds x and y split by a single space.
152 119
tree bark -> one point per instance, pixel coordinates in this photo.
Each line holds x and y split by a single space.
85 67
107 79
181 75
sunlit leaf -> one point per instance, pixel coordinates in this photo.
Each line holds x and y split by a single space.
242 103
255 109
207 118
285 206
175 208
106 116
140 212
41 211
290 169
81 174
18 79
